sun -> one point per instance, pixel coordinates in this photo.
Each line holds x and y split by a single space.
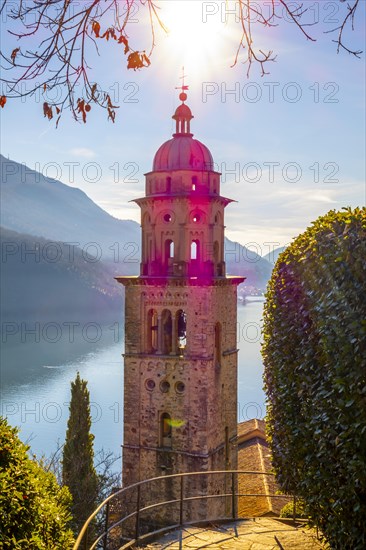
197 35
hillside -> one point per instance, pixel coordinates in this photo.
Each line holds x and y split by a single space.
272 257
35 205
242 261
54 283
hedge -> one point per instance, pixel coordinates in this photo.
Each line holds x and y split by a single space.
314 352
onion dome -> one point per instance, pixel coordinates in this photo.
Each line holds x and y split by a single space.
183 152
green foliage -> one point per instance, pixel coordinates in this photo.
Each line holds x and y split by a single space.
34 509
78 470
288 510
314 353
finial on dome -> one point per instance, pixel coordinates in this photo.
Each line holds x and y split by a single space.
182 96
183 115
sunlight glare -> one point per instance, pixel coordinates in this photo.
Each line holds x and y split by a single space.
196 38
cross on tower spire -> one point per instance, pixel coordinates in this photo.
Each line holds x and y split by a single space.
183 87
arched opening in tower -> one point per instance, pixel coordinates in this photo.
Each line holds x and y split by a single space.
167 326
181 323
169 250
165 430
152 331
195 250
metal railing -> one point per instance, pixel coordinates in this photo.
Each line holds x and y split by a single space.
134 532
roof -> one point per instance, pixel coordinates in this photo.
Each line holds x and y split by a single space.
182 152
254 456
183 111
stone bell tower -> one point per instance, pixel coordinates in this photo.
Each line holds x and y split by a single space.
180 362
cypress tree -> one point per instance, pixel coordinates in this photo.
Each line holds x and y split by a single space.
78 470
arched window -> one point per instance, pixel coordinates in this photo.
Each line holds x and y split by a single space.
169 249
168 184
181 323
195 249
152 331
194 183
165 430
218 337
167 326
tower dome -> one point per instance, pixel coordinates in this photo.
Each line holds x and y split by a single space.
182 152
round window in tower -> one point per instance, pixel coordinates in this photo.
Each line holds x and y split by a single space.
196 218
167 218
150 384
164 386
180 387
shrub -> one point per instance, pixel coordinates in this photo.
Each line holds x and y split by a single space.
314 353
288 510
34 509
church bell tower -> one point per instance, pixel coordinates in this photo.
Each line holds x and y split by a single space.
180 361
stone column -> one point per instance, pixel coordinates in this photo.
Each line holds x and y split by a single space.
160 335
174 335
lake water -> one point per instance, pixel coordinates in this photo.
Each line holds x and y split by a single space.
36 377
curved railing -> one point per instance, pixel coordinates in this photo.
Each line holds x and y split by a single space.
127 506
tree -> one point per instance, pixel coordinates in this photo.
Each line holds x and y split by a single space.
34 509
70 30
109 479
78 471
315 379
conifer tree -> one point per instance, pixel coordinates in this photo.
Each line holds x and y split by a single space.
78 470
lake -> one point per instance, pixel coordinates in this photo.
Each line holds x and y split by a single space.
37 369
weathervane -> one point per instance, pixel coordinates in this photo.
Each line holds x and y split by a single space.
184 87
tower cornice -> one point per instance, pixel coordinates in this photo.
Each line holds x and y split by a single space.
179 281
193 197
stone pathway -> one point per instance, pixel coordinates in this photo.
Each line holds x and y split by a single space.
250 534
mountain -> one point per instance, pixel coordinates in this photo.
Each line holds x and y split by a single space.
243 261
35 205
272 256
47 281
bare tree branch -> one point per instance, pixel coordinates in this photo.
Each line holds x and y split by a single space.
61 60
350 18
71 32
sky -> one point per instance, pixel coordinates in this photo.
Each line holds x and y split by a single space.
290 144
